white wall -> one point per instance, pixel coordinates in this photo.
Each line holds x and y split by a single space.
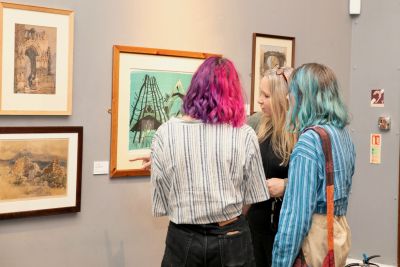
115 227
375 63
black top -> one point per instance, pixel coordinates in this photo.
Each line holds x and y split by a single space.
259 215
271 162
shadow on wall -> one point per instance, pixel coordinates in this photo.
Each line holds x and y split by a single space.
116 259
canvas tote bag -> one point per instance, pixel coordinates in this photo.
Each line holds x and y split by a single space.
327 244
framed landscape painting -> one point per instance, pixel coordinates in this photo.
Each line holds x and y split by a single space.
36 60
269 51
40 170
148 89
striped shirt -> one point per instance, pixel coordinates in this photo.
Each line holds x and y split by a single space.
203 173
305 193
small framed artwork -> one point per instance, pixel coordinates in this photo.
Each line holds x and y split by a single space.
40 171
148 89
269 51
36 52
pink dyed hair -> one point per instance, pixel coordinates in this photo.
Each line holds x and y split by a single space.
215 94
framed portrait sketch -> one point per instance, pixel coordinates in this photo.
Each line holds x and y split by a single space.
148 89
269 51
40 171
36 60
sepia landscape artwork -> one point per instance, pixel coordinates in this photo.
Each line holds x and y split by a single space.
155 97
35 59
31 169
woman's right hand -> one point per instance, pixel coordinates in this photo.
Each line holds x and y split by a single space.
146 162
276 187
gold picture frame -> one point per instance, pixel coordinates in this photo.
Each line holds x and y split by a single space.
144 80
36 60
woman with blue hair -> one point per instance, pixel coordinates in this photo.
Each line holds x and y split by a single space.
315 101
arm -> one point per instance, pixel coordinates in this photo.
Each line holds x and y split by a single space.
253 120
160 183
297 210
255 187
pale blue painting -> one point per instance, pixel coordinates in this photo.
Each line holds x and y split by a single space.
155 97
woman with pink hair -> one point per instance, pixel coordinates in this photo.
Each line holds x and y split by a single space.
205 167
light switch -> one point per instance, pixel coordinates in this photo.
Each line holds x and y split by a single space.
100 167
354 7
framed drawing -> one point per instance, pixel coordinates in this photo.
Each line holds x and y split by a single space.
269 51
40 171
36 52
148 88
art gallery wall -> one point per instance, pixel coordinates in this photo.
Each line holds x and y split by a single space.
115 227
375 63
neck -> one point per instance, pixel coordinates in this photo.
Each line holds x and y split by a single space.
188 118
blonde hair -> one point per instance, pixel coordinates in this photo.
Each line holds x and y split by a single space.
274 126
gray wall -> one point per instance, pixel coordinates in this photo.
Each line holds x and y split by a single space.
375 63
115 227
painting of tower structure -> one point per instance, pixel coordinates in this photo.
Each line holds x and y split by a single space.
35 59
155 97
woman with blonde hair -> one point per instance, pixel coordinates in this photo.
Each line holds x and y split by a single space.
276 144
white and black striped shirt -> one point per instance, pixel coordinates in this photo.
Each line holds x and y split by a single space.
204 173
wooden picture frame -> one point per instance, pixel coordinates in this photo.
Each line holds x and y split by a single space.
40 171
36 58
148 87
268 51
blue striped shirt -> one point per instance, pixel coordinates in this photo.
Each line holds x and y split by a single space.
204 173
305 193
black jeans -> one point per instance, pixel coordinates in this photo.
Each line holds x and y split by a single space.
209 245
263 222
263 245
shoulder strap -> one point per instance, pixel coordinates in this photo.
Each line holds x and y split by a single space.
327 148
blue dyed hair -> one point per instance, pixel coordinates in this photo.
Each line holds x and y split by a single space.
315 98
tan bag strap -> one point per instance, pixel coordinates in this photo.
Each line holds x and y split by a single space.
327 148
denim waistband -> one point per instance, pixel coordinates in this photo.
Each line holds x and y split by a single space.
212 228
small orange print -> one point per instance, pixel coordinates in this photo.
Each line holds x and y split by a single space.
376 139
375 148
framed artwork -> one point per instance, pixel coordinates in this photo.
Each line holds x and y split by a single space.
36 52
40 171
148 89
269 51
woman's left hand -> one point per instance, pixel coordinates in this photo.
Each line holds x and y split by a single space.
276 187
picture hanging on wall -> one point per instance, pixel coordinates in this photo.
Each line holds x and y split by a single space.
148 89
40 171
269 51
36 60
